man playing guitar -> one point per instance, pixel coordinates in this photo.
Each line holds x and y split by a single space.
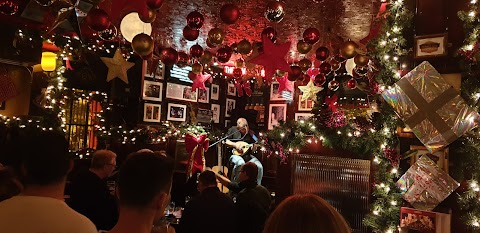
243 140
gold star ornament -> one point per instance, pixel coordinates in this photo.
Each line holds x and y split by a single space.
117 67
309 91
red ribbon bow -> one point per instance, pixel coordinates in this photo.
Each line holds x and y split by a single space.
244 86
331 101
196 146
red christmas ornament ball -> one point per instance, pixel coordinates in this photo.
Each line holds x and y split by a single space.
154 4
325 68
169 56
352 84
196 50
195 20
295 74
229 13
98 20
190 34
223 54
322 53
320 79
311 35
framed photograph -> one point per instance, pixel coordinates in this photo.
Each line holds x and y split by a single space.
215 92
231 90
431 46
177 112
204 115
152 90
216 113
277 113
204 95
181 92
227 123
151 112
306 105
275 95
302 116
152 70
230 107
440 156
2 105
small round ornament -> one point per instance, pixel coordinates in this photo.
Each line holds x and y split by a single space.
206 58
244 47
325 68
154 4
311 35
322 53
275 11
305 64
98 20
197 68
295 74
333 85
229 13
142 44
109 33
361 60
195 20
348 49
190 34
303 47
216 36
223 54
320 79
196 51
169 56
148 16
352 84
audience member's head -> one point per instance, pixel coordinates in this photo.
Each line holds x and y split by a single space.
305 214
104 163
206 179
45 159
144 182
249 171
144 150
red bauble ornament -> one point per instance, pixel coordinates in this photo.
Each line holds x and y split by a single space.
275 11
154 4
320 79
195 20
237 73
333 85
183 59
148 15
270 33
311 35
325 68
229 13
322 53
352 84
192 76
169 56
190 34
196 50
8 7
305 64
223 54
295 74
98 20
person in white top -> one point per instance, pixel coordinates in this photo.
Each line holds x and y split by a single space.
40 207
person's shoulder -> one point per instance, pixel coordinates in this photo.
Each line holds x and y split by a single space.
79 221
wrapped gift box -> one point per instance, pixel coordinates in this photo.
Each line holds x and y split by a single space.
431 107
424 221
425 185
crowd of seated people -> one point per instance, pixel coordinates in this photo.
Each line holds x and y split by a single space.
32 197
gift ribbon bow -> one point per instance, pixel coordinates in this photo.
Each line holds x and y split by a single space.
244 87
196 146
331 101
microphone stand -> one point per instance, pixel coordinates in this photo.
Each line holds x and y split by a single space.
221 139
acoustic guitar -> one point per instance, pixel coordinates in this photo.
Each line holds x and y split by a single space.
246 147
223 170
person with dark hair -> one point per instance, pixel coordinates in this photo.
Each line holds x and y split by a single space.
253 200
9 184
143 191
40 207
90 194
306 213
211 211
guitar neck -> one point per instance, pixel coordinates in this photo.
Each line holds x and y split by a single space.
219 154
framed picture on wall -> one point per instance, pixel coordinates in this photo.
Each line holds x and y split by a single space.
216 113
152 70
215 92
230 107
305 105
151 112
231 90
275 95
203 95
152 90
2 105
276 113
177 112
302 116
181 92
431 46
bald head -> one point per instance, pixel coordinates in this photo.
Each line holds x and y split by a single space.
242 125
